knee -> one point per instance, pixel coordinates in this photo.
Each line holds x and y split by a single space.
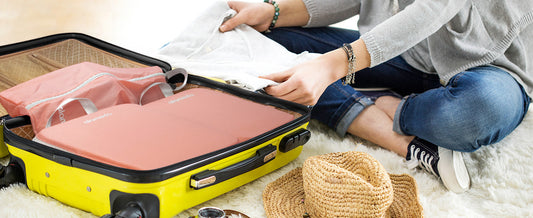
494 100
482 114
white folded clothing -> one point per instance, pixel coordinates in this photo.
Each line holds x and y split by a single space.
237 56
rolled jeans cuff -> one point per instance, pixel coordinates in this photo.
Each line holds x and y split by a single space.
396 122
351 114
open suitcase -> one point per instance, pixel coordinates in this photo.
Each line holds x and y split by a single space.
105 189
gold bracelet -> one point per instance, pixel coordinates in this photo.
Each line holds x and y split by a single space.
350 76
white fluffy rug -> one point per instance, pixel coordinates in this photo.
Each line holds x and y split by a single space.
502 181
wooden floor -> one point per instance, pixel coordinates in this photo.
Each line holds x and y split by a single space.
138 25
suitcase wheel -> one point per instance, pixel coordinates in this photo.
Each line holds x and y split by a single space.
11 174
127 205
131 211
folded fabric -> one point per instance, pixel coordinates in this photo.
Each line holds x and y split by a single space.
46 95
238 56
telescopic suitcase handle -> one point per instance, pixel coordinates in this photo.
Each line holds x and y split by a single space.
212 177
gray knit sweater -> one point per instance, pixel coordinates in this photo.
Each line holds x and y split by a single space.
440 36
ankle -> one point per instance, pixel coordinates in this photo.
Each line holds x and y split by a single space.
405 144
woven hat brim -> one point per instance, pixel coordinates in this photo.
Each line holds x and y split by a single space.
283 197
405 203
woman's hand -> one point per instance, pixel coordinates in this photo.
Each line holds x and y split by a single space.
305 83
258 15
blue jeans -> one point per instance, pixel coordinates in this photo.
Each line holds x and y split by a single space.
479 106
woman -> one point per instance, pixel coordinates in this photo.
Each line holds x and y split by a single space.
462 65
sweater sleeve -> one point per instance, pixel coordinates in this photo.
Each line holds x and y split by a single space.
408 27
326 12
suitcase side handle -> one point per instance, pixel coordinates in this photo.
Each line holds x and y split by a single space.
211 177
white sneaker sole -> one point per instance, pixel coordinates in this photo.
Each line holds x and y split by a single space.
452 170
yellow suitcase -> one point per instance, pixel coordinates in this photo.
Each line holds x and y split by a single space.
110 191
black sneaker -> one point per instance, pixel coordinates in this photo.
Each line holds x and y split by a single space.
446 164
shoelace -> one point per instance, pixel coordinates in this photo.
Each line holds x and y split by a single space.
425 160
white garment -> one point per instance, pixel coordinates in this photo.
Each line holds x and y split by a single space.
238 56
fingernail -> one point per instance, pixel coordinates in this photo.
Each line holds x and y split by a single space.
222 28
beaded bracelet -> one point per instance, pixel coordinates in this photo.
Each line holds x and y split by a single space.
276 13
350 77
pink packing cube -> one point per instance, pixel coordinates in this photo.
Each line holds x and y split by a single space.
186 125
40 97
235 116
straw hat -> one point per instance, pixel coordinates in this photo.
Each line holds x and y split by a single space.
344 184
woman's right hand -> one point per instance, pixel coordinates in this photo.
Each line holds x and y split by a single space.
258 15
305 83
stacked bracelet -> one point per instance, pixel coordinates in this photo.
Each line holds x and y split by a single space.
276 13
350 77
